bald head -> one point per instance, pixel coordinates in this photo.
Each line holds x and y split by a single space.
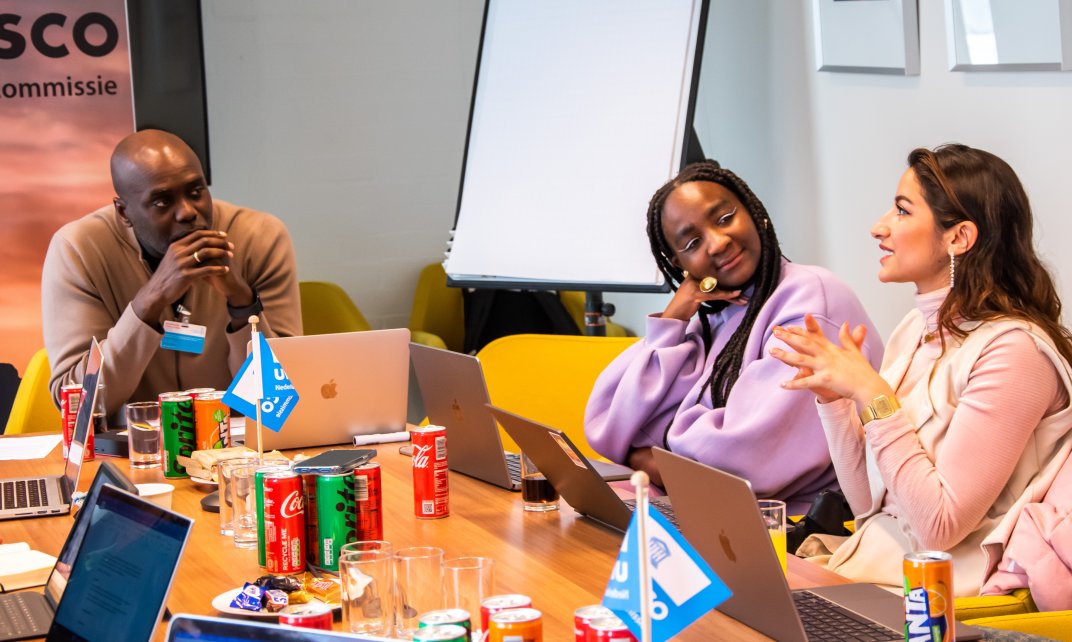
160 189
145 152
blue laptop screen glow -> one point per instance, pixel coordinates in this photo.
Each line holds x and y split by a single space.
122 573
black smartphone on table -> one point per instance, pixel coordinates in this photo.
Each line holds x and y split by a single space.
334 461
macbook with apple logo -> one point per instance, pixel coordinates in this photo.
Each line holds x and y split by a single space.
455 396
351 383
718 514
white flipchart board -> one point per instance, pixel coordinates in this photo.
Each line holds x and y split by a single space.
581 110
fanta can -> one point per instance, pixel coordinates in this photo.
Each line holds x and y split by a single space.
928 591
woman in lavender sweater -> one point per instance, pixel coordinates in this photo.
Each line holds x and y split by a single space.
701 383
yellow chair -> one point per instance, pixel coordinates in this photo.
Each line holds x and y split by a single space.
33 409
327 309
548 378
438 309
1054 625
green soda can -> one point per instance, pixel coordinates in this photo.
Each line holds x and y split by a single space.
442 633
336 517
312 551
258 486
176 431
457 617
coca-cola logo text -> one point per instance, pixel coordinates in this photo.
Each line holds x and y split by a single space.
420 456
292 505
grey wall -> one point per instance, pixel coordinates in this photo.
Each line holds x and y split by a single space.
347 119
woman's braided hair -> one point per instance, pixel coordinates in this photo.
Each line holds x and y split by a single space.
727 365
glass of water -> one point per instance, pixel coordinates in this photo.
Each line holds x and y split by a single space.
143 434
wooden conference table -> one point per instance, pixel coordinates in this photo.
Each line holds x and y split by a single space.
561 560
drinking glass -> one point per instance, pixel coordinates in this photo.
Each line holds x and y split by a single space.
418 586
244 524
224 475
537 493
143 434
367 574
773 512
466 582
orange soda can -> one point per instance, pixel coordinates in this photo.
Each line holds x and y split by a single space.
516 625
212 421
928 591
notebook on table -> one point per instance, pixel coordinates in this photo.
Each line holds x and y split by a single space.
28 614
350 383
719 516
573 476
455 396
51 494
121 575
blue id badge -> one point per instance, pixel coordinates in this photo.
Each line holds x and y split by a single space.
183 337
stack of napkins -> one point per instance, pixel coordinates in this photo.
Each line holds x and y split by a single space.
22 567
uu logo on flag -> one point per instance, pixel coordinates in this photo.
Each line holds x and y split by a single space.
262 377
683 586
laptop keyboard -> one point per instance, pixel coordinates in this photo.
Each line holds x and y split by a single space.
824 620
23 493
513 466
660 504
22 618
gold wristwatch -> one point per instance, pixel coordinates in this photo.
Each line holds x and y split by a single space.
880 407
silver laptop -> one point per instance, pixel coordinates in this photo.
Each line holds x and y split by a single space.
718 515
28 614
455 396
571 474
350 383
120 579
51 494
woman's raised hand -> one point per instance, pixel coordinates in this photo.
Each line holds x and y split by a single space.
830 371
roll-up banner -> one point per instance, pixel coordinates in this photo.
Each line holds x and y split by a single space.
65 101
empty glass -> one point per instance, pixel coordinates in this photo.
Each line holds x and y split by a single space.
224 473
245 502
367 574
418 586
466 582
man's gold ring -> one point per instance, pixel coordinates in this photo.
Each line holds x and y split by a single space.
196 257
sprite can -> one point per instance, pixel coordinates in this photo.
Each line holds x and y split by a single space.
176 431
336 517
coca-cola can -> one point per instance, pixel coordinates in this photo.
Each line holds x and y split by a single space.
431 490
307 616
368 495
70 401
584 616
284 523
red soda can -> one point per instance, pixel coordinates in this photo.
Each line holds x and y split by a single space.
284 523
583 616
70 402
609 629
431 492
368 495
496 603
307 616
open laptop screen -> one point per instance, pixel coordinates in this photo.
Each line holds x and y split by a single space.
84 418
122 574
57 579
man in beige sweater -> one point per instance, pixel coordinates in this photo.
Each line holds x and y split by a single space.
163 247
